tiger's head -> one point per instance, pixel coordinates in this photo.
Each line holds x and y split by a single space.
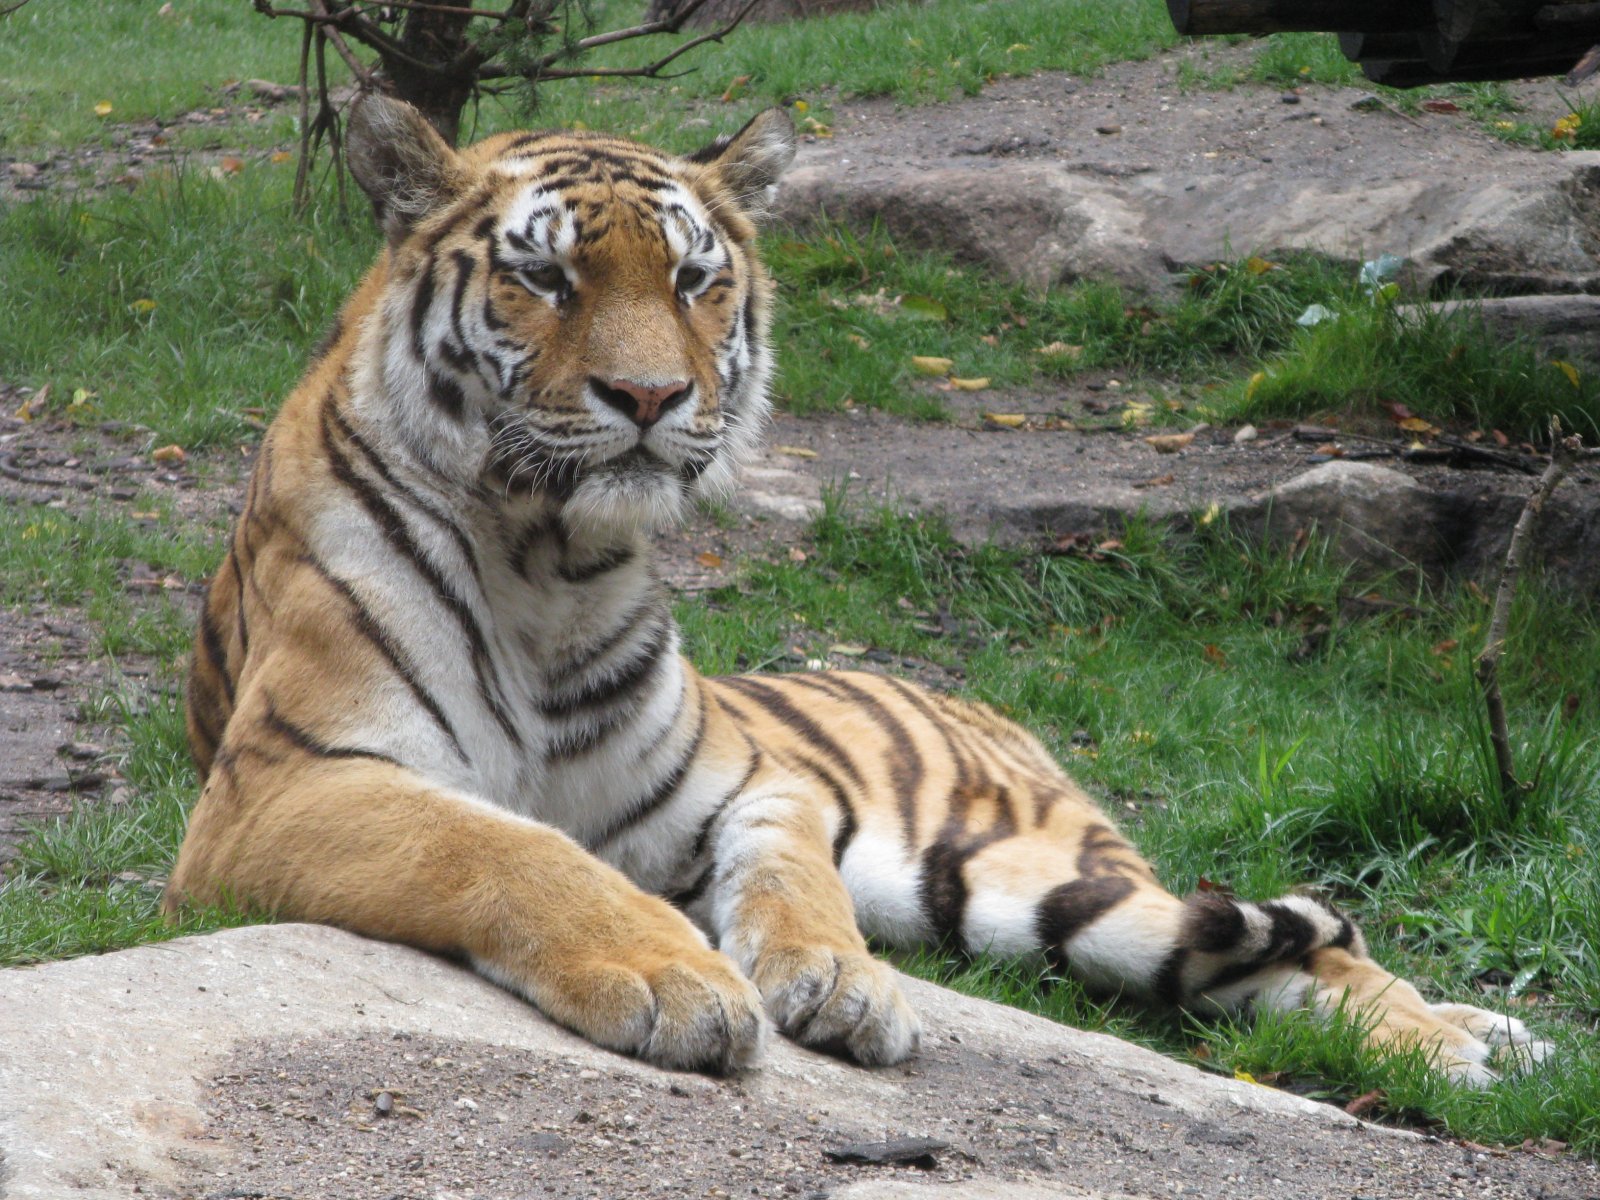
573 316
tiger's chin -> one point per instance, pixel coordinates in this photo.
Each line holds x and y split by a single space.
609 502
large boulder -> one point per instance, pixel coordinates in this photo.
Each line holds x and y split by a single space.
302 1061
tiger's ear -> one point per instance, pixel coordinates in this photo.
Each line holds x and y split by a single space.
752 160
400 161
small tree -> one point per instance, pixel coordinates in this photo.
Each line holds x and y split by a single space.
438 56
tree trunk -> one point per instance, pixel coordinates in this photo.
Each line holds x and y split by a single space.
441 89
719 12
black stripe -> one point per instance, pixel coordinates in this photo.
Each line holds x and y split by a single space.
606 692
562 674
304 740
446 395
848 825
764 695
906 768
421 302
664 791
367 625
606 562
393 528
1066 910
381 469
211 639
240 626
329 339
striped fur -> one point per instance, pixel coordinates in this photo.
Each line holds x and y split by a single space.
437 694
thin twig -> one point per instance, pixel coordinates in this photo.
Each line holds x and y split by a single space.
541 68
1563 453
447 9
302 169
11 8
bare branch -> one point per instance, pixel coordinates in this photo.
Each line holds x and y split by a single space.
541 69
1564 452
447 9
11 8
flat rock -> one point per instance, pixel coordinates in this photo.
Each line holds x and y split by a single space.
251 1062
1018 180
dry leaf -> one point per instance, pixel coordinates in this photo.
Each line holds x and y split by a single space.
734 88
1256 381
857 339
1417 425
969 385
1330 449
103 109
848 649
990 339
34 404
1157 481
1259 266
797 555
925 364
709 558
143 305
169 455
1215 656
1440 106
1444 647
280 156
1169 443
1007 420
1567 369
795 451
1365 1102
1060 350
231 164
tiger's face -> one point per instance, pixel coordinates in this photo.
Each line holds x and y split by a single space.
586 315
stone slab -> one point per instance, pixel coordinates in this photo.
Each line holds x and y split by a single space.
248 1062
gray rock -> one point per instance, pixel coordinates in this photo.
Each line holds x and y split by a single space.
1562 326
1039 224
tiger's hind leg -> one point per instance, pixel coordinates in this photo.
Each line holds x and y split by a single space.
1098 914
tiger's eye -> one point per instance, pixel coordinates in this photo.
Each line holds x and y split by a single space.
546 277
690 278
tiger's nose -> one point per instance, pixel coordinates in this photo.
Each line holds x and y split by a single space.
643 404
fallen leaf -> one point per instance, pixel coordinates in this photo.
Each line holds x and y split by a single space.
1168 443
1212 512
923 308
231 164
1136 414
1444 647
1331 449
103 109
1365 1102
1006 420
1256 381
797 555
990 339
1259 266
169 455
34 404
145 516
1567 369
1060 350
848 649
857 340
1440 106
969 385
1157 481
1215 656
1417 425
709 558
734 88
795 451
927 364
143 305
280 156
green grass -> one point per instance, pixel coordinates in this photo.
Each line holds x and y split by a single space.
59 60
1444 368
189 305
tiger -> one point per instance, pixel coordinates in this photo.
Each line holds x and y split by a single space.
437 694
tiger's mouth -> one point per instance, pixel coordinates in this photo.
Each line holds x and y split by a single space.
521 463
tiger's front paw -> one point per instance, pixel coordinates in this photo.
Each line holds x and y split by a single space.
843 1002
670 1000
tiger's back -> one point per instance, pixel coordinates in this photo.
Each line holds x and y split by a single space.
438 695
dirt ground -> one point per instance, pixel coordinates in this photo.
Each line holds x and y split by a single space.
416 1118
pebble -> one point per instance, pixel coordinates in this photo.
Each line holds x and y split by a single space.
1289 98
1245 433
1108 130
